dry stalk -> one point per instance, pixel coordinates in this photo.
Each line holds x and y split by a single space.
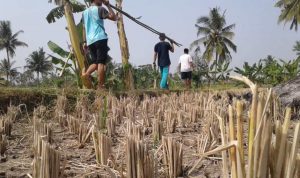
3 145
135 131
224 142
102 145
232 138
5 126
13 113
282 147
111 127
60 109
81 108
157 129
202 145
140 162
262 164
40 112
47 163
170 122
291 165
239 110
173 153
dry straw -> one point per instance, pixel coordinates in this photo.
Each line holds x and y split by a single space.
269 155
46 162
173 153
103 147
140 161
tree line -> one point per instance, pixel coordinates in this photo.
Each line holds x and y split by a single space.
211 66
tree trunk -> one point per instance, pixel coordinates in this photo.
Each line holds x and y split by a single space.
74 37
216 66
128 75
38 78
8 61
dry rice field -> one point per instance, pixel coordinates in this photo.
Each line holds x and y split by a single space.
241 133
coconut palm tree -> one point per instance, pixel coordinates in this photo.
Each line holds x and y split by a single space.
39 63
9 41
216 36
297 48
290 12
7 69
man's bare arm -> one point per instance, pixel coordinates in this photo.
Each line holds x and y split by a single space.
172 47
155 57
111 14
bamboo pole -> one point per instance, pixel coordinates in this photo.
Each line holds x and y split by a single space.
232 138
252 125
240 131
257 140
293 156
224 153
262 169
282 148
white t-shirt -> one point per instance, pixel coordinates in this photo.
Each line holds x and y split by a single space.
185 61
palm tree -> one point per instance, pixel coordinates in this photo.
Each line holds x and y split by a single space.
290 12
297 48
9 41
39 63
66 8
7 68
216 36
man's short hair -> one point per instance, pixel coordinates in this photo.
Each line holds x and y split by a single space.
162 36
186 51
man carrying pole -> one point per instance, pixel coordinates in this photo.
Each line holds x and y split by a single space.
161 52
95 37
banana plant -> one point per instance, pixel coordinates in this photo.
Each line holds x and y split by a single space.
253 72
67 8
223 70
273 72
63 62
290 69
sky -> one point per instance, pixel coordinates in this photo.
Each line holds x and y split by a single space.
257 32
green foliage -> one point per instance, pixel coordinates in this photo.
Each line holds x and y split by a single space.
39 63
216 36
297 48
68 71
270 70
7 69
253 72
290 12
145 76
9 42
59 11
223 70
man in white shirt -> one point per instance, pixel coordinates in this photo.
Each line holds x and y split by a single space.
186 66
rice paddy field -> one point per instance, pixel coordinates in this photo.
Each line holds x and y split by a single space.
230 133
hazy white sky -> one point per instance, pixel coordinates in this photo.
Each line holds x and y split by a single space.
257 32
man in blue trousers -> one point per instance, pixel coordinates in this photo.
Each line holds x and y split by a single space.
161 52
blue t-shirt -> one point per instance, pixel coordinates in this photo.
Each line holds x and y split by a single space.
162 49
93 19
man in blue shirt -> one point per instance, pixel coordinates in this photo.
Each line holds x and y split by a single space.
95 37
161 52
